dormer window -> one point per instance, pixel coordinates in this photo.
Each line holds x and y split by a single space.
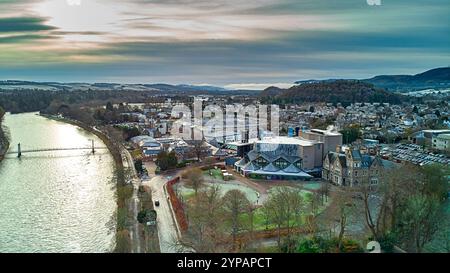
280 163
298 164
261 161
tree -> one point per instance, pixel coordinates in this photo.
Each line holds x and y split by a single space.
235 204
324 191
419 221
172 160
389 209
2 113
342 210
205 222
436 181
109 106
284 209
200 149
123 241
4 142
138 165
194 178
166 161
381 205
350 134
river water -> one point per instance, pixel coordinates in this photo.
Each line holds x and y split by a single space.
60 201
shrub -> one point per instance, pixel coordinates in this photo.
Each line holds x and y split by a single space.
122 220
176 204
141 217
351 246
123 242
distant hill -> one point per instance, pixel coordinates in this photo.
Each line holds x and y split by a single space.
56 86
431 79
438 78
343 91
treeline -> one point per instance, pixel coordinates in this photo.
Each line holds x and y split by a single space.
19 101
339 91
4 143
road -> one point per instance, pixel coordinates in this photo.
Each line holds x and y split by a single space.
134 202
167 231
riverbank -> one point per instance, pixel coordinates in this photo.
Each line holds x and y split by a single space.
126 203
4 143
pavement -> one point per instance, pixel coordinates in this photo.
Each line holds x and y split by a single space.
134 204
167 229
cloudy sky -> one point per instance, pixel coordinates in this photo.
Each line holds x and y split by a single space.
232 43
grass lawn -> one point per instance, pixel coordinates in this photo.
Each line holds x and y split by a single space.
260 222
216 173
224 187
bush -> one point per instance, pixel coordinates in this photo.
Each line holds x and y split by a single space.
322 245
125 192
176 204
308 246
166 161
123 242
122 220
141 217
387 242
351 246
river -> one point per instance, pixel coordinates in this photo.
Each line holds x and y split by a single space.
60 201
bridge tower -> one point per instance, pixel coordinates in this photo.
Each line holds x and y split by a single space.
19 151
93 147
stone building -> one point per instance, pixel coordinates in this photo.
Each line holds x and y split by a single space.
353 168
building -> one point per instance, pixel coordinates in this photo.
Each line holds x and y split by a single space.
353 168
425 137
441 142
149 146
330 139
283 158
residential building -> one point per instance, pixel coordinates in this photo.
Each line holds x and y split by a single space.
353 168
441 142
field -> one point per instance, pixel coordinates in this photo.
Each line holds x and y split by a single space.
214 177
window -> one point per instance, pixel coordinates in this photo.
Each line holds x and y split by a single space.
374 181
280 163
262 162
298 164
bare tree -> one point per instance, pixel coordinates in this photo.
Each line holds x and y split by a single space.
284 209
381 205
342 211
199 149
235 204
194 178
324 192
205 215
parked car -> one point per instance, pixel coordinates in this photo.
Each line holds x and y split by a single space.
157 203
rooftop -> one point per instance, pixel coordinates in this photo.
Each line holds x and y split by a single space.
324 132
287 140
444 136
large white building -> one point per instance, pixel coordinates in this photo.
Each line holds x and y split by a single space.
286 158
441 142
